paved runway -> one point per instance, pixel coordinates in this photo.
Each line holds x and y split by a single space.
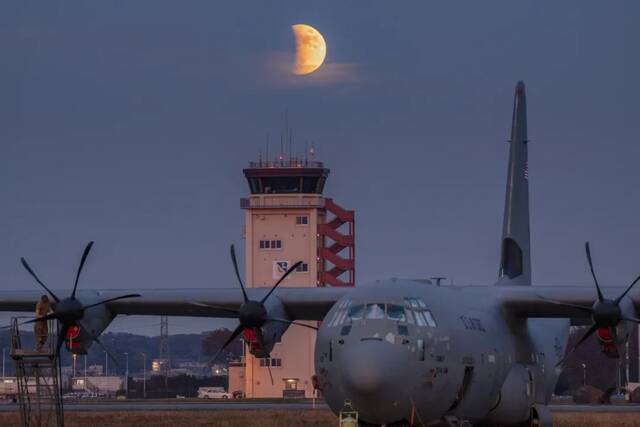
150 405
631 408
140 405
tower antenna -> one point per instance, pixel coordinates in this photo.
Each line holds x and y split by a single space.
290 144
281 148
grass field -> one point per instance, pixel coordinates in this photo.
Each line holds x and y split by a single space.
268 418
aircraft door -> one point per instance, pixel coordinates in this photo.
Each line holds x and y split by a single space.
464 387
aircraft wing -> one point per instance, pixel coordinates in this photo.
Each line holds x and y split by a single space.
309 303
542 301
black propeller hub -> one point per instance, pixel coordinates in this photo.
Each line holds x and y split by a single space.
252 314
606 313
69 310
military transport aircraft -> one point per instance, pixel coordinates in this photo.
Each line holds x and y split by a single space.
402 351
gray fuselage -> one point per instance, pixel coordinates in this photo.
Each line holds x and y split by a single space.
403 348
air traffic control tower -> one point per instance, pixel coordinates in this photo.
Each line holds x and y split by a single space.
287 219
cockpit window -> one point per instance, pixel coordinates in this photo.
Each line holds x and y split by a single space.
356 312
414 312
396 312
420 320
374 311
340 315
415 307
429 317
409 314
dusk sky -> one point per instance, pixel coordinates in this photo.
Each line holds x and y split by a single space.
129 123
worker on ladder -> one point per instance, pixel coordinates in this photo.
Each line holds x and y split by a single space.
41 327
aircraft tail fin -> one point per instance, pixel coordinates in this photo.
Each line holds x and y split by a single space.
515 259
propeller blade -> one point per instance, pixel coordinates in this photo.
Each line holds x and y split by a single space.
590 332
627 290
588 250
61 337
232 337
566 304
82 261
269 369
290 322
26 266
42 319
235 266
215 307
97 340
284 276
84 307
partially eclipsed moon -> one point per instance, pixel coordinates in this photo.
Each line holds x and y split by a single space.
310 49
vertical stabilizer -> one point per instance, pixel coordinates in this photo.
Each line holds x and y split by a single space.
515 260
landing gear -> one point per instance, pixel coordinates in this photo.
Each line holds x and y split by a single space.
541 416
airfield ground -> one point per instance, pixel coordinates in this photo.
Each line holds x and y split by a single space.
278 418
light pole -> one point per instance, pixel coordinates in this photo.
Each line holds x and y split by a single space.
126 375
74 356
144 375
626 362
584 374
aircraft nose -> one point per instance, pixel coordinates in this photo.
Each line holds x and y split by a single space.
369 377
369 369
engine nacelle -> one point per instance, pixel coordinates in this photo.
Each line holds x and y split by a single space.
612 339
515 398
262 340
94 322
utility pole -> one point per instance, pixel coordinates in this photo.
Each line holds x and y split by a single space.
164 343
164 352
627 366
126 375
144 375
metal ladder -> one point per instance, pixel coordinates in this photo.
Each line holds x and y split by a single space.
38 376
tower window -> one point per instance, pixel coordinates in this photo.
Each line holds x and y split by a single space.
270 244
302 268
302 220
272 362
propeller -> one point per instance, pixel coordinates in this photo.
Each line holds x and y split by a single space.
252 314
606 313
69 311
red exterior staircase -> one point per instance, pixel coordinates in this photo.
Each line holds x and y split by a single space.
338 247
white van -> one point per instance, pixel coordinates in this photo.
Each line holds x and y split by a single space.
213 393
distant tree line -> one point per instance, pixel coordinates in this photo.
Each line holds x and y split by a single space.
183 348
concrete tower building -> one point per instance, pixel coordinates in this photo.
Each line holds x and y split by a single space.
287 219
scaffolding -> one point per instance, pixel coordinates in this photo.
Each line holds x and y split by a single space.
38 376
